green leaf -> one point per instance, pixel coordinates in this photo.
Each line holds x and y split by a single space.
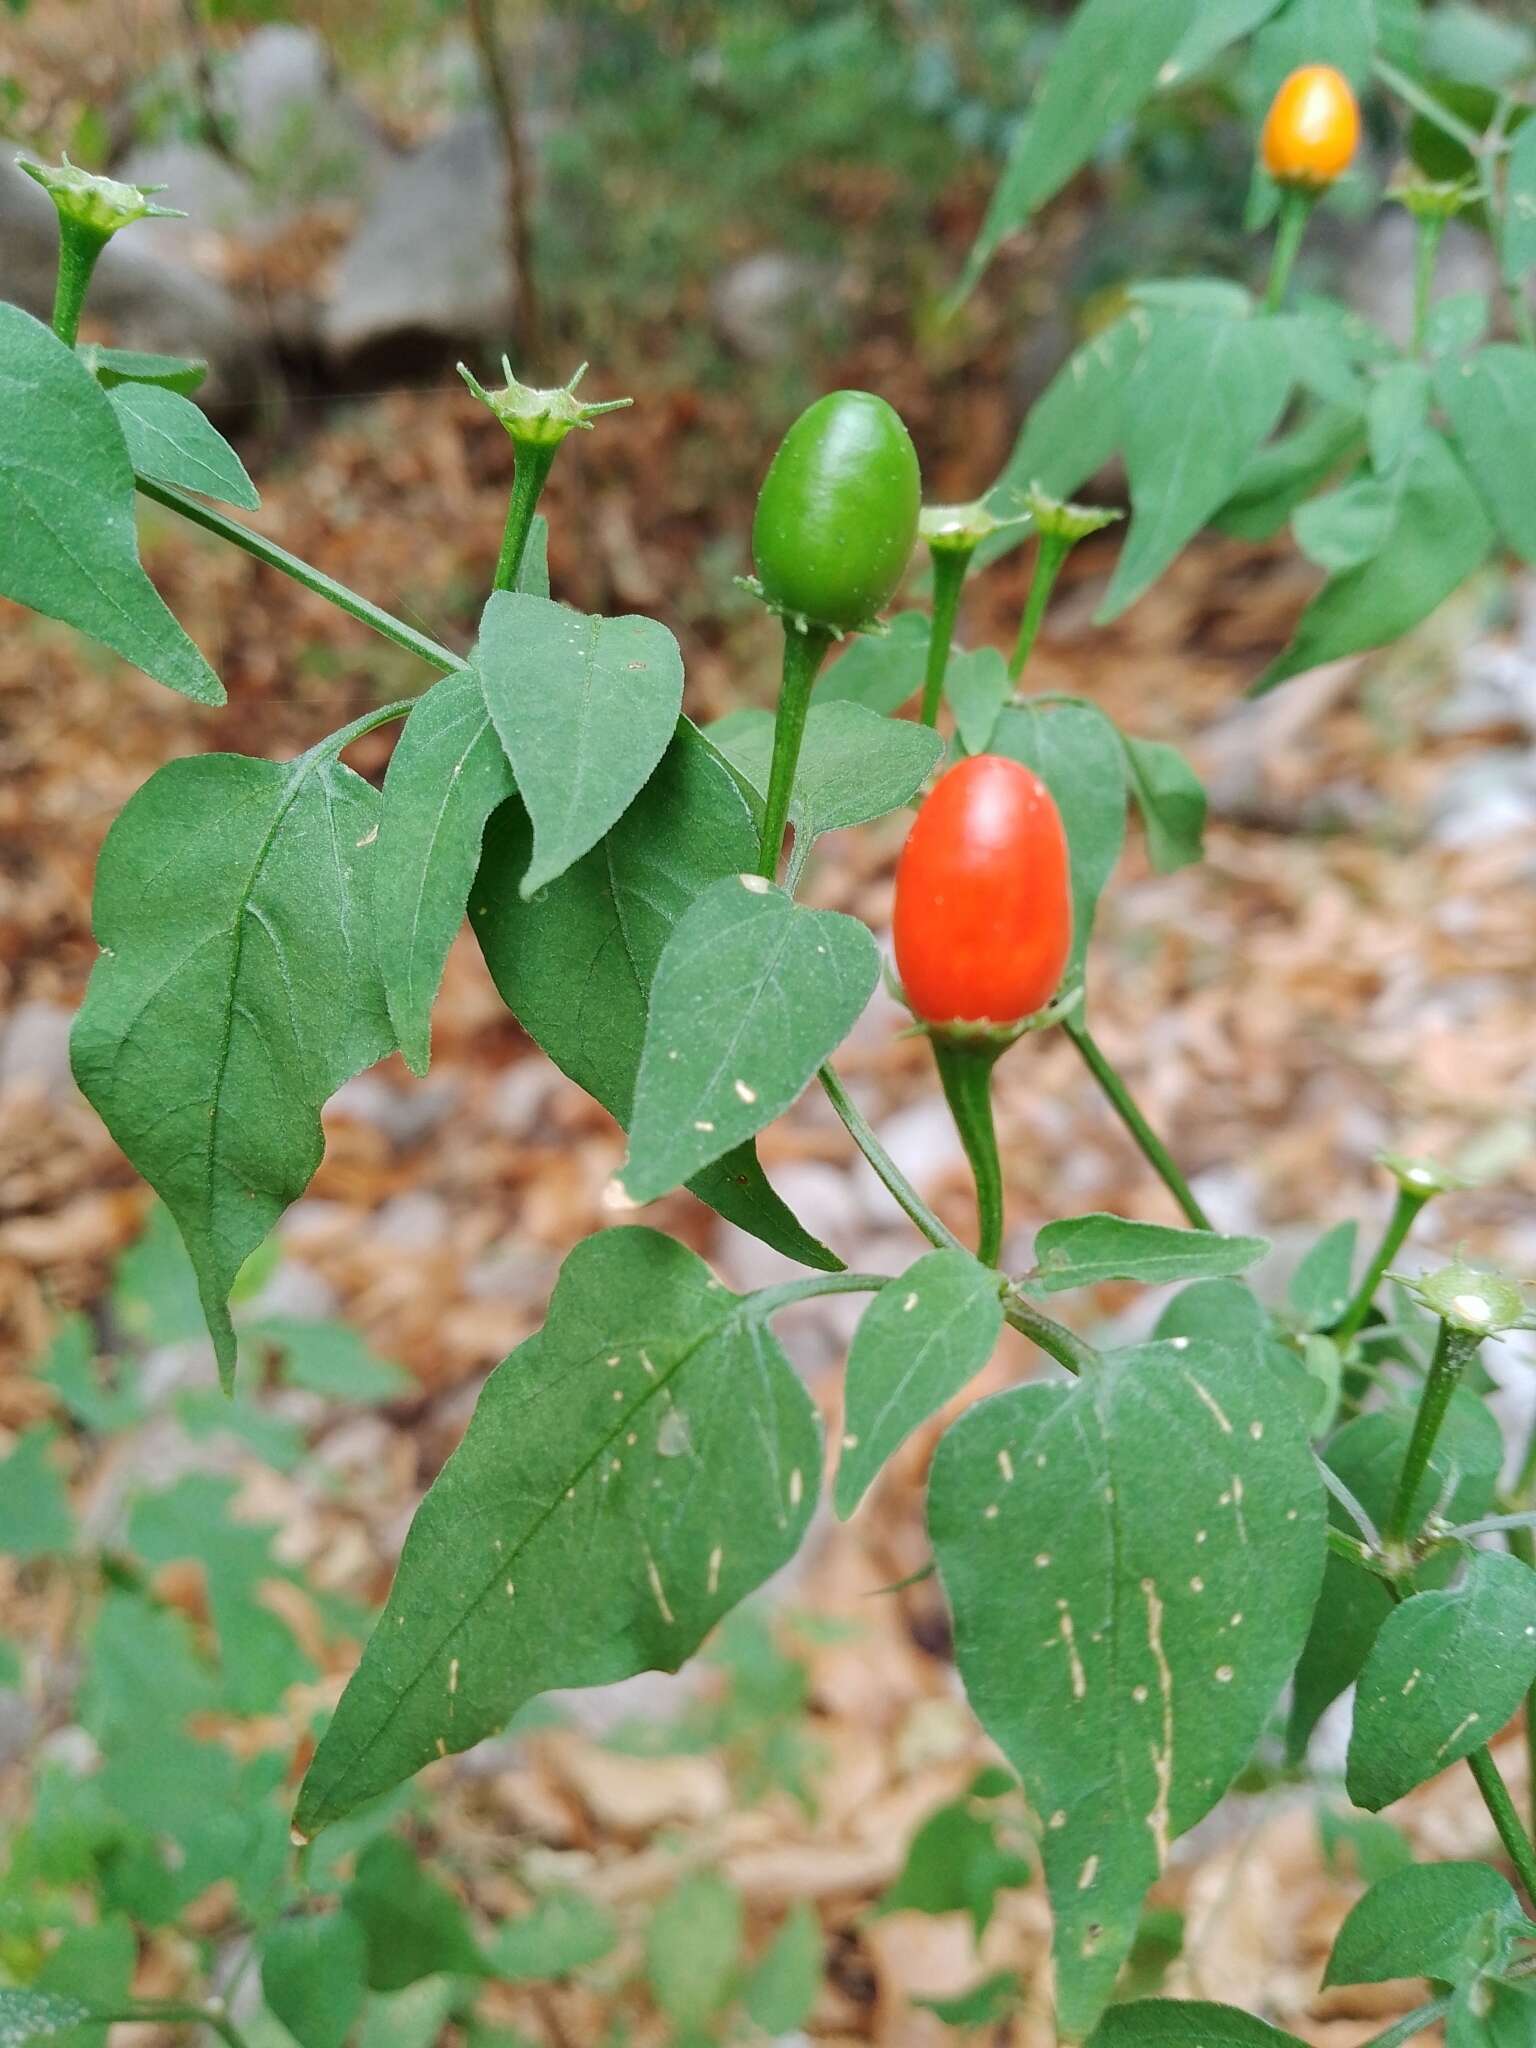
1367 1454
1077 423
691 1949
1171 799
237 989
1344 528
1205 393
1217 25
585 707
1439 1920
533 576
413 2018
1456 323
1105 65
1445 1673
1361 1845
1518 252
563 1932
1081 1251
172 441
854 766
552 1550
1131 1564
1186 2023
35 1520
1337 32
1077 754
67 510
154 1289
984 2005
1439 536
976 687
782 1988
1288 470
448 773
413 1926
1462 41
36 2015
69 1367
313 1973
918 1343
879 670
328 1359
575 964
751 994
112 366
1322 1284
955 1864
1488 2014
1395 414
1491 404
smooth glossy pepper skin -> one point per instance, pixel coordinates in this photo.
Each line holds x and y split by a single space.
837 515
1313 128
984 897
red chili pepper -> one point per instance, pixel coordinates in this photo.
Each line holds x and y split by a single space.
984 896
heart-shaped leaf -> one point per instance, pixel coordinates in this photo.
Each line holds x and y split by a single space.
585 708
67 510
236 990
751 994
1131 1564
629 1474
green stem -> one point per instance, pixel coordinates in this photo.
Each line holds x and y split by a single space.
1453 1349
1501 1807
311 578
1054 1338
965 1069
534 461
1406 1208
1402 2031
949 571
804 652
767 1301
1426 254
79 246
889 1174
174 2015
1295 211
1121 1101
1426 104
1053 551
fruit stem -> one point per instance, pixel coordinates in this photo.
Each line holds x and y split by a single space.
1295 211
534 460
965 1069
949 571
1054 550
79 246
805 649
1124 1106
1431 231
1409 1202
1453 1350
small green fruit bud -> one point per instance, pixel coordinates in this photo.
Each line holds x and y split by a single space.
540 419
99 205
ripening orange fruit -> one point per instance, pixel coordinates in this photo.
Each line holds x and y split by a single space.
1313 128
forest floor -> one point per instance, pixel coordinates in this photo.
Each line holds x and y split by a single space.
1350 969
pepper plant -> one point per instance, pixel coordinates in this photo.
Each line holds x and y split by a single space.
1143 1549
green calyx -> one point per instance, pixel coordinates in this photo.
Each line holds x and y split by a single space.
1055 519
1430 201
1424 1178
99 205
536 418
1472 1299
985 1033
960 529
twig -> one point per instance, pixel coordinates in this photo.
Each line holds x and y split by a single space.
526 321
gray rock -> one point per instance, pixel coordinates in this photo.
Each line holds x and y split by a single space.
430 256
304 136
216 198
151 296
767 305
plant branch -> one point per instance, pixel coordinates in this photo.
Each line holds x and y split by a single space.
1295 211
313 579
1501 1808
1411 2023
949 567
1452 1351
1426 104
1053 551
887 1171
1124 1106
767 1301
1406 1208
805 649
534 461
965 1071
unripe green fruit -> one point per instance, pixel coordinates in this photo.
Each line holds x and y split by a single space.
837 515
